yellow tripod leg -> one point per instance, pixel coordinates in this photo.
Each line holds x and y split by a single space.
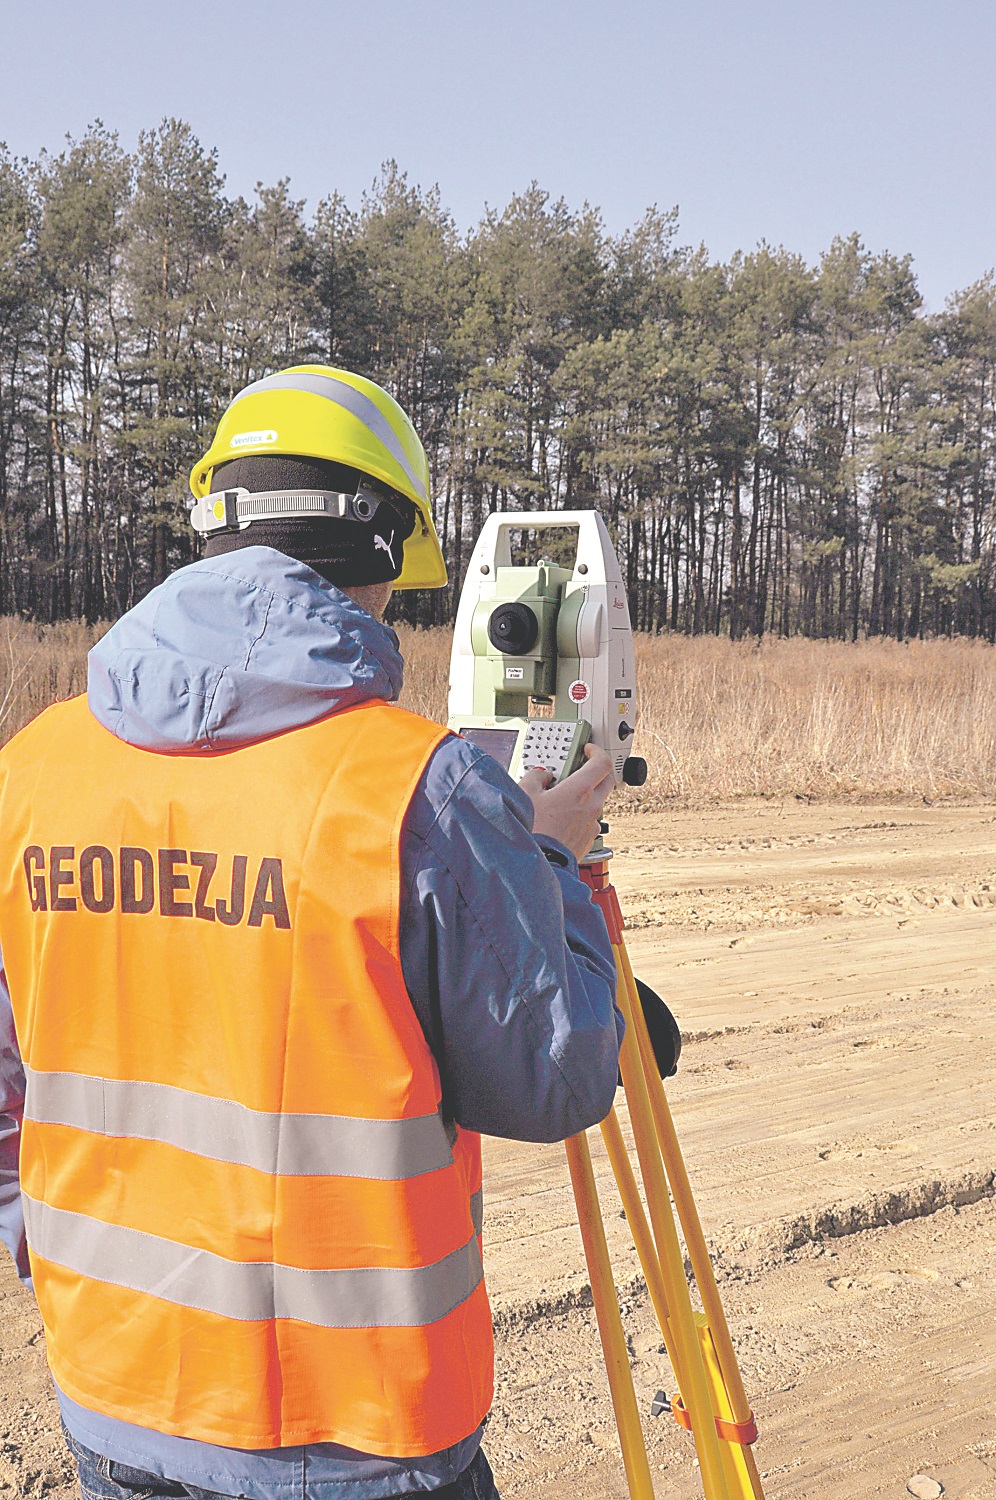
739 1465
729 1398
610 1327
629 1193
690 1371
737 1460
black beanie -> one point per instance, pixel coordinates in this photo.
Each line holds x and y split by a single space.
347 553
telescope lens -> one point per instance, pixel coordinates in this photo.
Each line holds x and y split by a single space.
513 629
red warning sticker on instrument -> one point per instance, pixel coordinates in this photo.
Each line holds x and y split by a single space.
579 691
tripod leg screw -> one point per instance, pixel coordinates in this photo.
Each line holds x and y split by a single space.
660 1404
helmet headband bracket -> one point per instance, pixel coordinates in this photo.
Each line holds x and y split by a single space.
235 509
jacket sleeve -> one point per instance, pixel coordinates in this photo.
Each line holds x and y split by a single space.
11 1111
505 957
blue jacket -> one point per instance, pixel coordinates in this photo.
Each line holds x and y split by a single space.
505 957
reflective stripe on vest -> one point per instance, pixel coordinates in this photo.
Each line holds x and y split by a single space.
292 1145
248 1222
381 1297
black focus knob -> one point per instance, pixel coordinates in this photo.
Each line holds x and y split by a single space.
626 730
634 770
513 629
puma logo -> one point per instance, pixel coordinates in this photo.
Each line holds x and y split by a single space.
385 547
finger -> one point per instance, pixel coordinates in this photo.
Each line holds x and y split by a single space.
601 776
598 765
593 751
603 789
536 779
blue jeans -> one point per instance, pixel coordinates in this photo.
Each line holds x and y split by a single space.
106 1479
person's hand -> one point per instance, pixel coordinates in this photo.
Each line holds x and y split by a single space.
570 811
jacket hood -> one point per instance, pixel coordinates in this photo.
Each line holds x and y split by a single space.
234 649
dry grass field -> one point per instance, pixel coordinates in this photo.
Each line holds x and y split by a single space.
719 719
716 719
809 878
39 664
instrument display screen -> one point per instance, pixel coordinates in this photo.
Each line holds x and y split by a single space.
499 743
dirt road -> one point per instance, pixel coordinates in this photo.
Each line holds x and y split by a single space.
834 971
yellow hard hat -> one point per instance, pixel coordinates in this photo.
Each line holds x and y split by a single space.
317 411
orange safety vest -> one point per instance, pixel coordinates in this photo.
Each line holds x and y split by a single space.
248 1221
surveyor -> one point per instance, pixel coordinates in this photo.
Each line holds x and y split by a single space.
276 952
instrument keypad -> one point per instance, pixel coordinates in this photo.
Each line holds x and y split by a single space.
548 742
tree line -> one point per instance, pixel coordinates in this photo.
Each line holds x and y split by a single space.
775 446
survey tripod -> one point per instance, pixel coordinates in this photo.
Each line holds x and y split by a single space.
711 1402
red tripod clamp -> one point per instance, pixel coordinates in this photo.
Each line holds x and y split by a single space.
743 1433
596 878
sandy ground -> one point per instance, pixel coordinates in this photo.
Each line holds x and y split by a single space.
833 969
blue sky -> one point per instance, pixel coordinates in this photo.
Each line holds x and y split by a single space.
784 120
